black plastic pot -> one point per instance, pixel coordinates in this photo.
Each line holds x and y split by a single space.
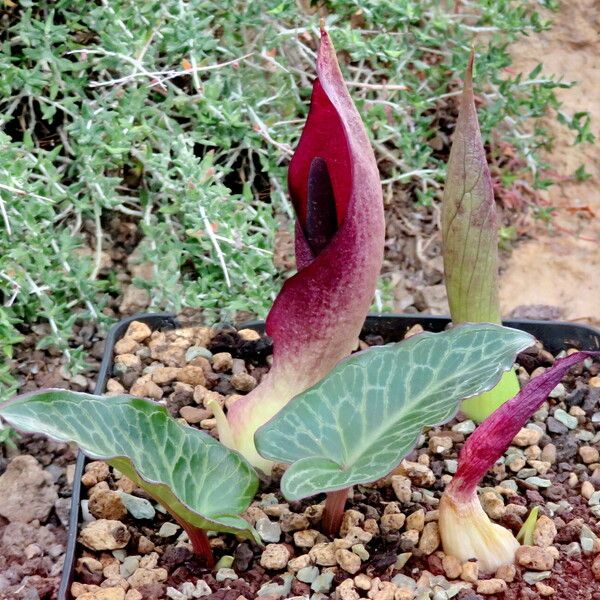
555 335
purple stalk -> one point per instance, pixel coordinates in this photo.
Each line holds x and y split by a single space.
334 511
199 541
491 439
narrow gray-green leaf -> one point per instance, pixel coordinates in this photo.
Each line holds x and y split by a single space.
358 423
193 476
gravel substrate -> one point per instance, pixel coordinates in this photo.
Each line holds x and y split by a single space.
389 545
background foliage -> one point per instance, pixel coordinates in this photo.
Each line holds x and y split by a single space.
166 127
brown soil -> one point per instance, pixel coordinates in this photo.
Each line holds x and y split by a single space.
561 266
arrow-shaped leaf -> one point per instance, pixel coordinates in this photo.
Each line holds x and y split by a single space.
193 476
358 423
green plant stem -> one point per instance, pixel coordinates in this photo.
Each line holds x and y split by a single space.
334 511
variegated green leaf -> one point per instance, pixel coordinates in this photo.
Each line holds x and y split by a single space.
358 423
193 476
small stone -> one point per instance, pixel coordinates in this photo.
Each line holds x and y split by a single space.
323 554
392 522
362 582
194 352
573 549
129 565
243 382
300 562
307 574
451 566
164 375
430 538
587 545
249 335
202 589
360 551
538 482
194 415
594 499
306 538
104 534
126 345
273 589
555 426
222 362
27 491
440 444
168 529
403 581
191 375
107 593
322 583
174 594
225 573
95 472
565 418
532 577
470 571
515 462
596 568
145 546
416 520
493 505
451 465
106 504
589 454
346 591
351 518
506 572
402 559
533 557
409 539
138 331
402 488
491 586
269 531
349 561
544 590
544 532
146 388
419 474
127 364
138 508
275 556
113 387
465 427
371 526
143 576
558 393
549 453
527 437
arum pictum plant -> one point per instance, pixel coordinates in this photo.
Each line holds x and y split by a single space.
202 484
317 317
361 420
470 241
465 528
